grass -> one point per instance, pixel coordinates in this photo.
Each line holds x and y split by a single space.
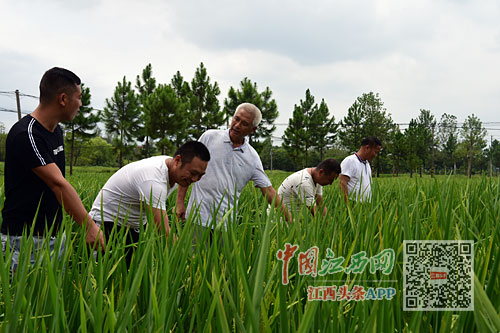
235 284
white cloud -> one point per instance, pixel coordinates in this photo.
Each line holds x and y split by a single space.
440 55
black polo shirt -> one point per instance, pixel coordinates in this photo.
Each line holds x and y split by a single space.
30 145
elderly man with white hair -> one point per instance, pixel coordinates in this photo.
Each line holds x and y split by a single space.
232 165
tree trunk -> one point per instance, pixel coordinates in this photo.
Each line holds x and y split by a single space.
72 149
147 146
469 164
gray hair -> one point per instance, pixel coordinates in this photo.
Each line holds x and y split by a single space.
249 107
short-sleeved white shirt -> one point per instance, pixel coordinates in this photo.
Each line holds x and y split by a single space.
299 188
125 192
228 169
360 176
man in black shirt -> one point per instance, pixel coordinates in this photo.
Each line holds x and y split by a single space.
34 166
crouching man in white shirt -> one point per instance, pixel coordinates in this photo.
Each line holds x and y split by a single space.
144 186
306 186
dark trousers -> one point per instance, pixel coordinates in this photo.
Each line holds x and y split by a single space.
132 238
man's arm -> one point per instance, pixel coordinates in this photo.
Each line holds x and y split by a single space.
270 193
69 199
161 219
343 180
180 207
318 204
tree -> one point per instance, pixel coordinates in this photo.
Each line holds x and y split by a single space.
473 135
398 147
122 117
166 112
366 117
494 154
448 138
181 87
204 105
427 142
351 132
145 85
413 140
83 126
323 130
297 138
97 151
249 93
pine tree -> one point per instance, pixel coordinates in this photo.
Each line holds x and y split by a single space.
167 118
298 139
122 117
448 137
84 125
323 130
351 132
473 134
145 85
204 105
248 93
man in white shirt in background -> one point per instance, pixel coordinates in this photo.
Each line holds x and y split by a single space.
306 186
232 165
356 176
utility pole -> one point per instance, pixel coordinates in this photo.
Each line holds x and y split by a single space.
18 105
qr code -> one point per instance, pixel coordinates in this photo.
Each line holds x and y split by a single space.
438 275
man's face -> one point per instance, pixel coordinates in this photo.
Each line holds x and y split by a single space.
372 152
241 125
72 103
191 172
326 179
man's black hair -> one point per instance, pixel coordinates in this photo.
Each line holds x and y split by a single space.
192 149
372 141
329 165
55 81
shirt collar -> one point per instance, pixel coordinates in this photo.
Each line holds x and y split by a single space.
227 139
360 159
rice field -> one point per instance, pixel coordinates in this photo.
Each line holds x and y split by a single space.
235 284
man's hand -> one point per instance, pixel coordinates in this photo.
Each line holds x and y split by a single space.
95 237
180 211
343 180
180 207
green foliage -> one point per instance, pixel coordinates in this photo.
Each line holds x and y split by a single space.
248 93
414 143
234 283
308 128
3 139
145 85
167 118
84 126
448 137
494 153
204 105
473 135
323 129
122 118
96 152
366 117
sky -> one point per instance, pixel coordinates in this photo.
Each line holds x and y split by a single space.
439 55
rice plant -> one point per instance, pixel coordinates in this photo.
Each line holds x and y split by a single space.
235 283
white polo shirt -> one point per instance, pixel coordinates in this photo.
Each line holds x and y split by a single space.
123 195
229 169
299 188
360 176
